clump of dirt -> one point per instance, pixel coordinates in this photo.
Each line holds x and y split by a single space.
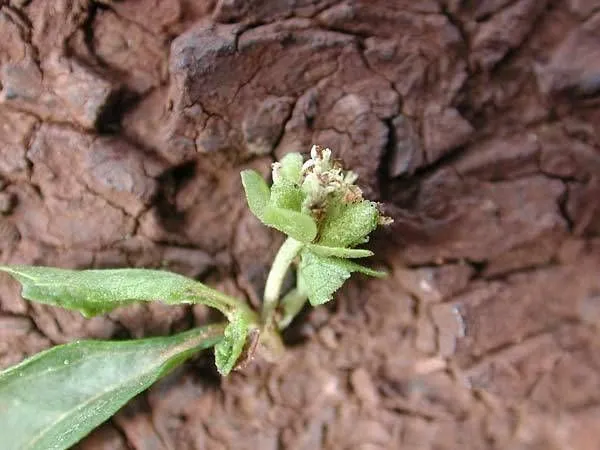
125 125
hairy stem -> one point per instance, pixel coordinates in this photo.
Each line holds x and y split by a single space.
226 304
286 254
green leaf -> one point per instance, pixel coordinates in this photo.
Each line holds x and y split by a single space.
52 400
320 276
339 252
291 304
279 209
95 292
287 195
291 167
230 348
257 192
348 224
295 224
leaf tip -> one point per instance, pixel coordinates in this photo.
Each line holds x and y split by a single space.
257 191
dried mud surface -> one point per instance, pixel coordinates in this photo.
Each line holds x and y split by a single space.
124 125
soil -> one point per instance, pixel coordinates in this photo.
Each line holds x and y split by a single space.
124 125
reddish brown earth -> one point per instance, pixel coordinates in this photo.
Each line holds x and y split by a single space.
123 128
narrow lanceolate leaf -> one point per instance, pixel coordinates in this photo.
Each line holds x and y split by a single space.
52 400
339 251
95 292
320 276
257 192
348 224
295 224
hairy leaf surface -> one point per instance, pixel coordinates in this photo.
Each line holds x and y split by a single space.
95 292
230 348
339 252
295 224
257 192
320 276
348 224
52 400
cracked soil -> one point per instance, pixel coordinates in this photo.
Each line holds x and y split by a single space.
124 126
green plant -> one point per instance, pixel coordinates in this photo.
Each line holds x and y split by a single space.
53 399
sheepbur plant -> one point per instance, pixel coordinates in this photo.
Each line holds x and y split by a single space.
53 399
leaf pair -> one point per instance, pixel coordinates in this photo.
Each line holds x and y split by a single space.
96 378
93 292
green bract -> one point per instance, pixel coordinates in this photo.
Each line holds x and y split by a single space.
348 224
316 203
52 400
278 207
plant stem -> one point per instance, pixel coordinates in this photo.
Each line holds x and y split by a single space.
226 304
286 254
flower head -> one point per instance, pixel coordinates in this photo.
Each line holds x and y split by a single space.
324 179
